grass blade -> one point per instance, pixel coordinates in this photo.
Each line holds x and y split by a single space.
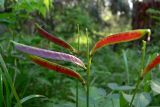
56 67
9 80
126 65
54 39
1 89
120 37
49 54
7 94
23 100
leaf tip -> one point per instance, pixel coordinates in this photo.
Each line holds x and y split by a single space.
146 32
12 41
37 25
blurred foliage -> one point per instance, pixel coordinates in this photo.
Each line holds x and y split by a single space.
154 14
66 21
146 15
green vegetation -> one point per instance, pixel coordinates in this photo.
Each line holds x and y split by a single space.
115 74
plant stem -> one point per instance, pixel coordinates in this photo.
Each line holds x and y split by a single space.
88 69
135 91
143 55
77 93
142 67
78 47
88 79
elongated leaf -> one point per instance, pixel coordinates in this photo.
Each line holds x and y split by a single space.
48 54
9 80
151 65
23 100
1 88
54 39
56 67
120 37
30 97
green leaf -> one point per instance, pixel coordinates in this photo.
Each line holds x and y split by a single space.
7 18
126 65
9 80
155 85
47 3
44 81
141 100
31 6
115 86
1 89
29 97
112 100
7 94
153 11
97 95
61 104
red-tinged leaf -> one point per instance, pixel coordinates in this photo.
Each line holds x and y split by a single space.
54 39
120 37
49 54
56 67
151 65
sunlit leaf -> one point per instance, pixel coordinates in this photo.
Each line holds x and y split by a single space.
155 85
54 39
120 37
47 3
48 54
56 67
151 65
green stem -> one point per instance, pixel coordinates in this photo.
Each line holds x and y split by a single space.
142 66
88 69
135 91
143 54
77 94
88 79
